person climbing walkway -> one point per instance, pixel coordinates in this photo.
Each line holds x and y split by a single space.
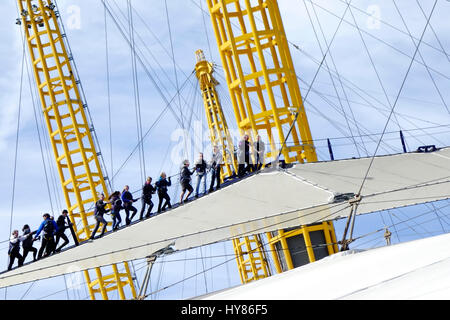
200 169
14 249
99 211
161 186
61 223
185 181
27 243
127 202
216 162
116 204
49 228
147 191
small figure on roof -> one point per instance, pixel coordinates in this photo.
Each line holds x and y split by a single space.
200 168
99 211
185 180
49 228
27 243
216 162
14 249
161 186
61 223
116 203
127 202
147 191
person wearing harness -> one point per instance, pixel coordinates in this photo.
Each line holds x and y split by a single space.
27 243
200 169
14 249
49 228
147 191
161 187
116 203
216 162
127 202
185 180
99 211
61 223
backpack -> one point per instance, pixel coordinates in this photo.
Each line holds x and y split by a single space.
49 228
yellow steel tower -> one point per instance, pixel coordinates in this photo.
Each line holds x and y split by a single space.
70 134
267 101
250 256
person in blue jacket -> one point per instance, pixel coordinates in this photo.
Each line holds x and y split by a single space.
49 228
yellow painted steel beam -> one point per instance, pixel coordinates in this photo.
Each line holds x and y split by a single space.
265 94
255 266
68 128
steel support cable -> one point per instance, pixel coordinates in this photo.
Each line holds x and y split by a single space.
173 58
136 91
142 62
332 207
35 112
397 98
375 69
403 116
167 107
329 73
108 88
202 12
389 25
312 82
339 79
380 40
150 52
422 58
16 150
256 230
399 223
434 32
149 75
329 119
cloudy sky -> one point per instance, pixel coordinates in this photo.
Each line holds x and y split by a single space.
352 94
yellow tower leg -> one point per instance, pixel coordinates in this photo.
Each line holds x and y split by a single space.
266 98
250 256
70 133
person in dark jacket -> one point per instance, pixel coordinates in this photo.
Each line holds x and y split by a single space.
27 243
14 249
61 223
127 202
245 163
216 162
116 203
147 191
49 228
99 211
185 180
200 168
161 186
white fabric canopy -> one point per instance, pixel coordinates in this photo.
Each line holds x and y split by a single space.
271 200
410 270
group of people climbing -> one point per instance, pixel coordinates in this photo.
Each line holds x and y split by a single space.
49 229
53 232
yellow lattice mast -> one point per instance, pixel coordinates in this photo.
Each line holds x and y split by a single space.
267 101
250 256
70 133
